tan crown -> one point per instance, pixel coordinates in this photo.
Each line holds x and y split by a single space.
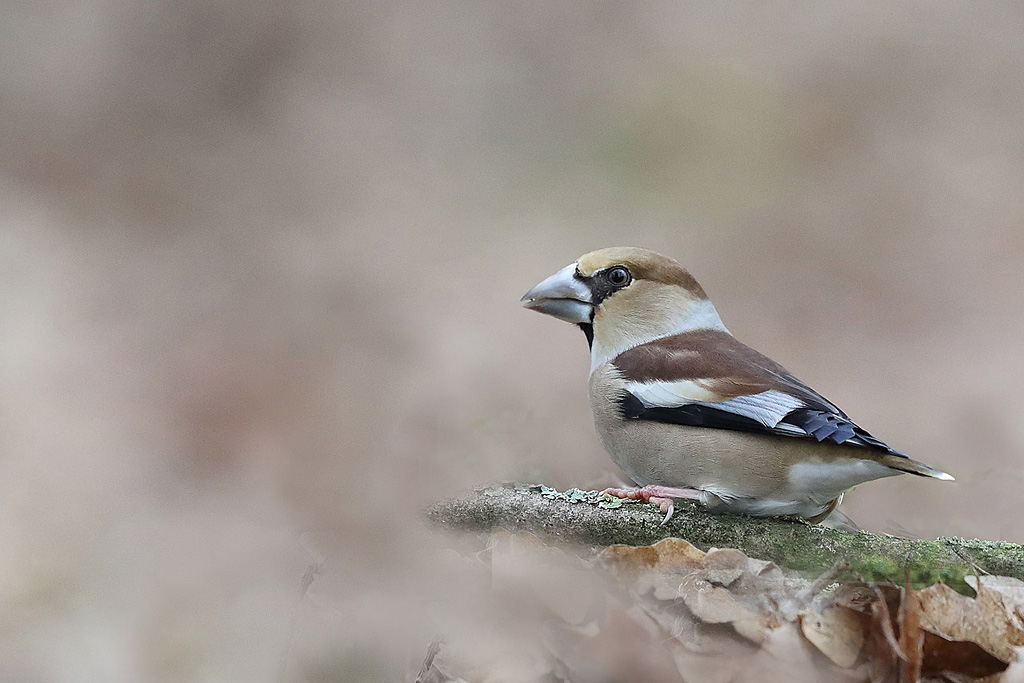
643 264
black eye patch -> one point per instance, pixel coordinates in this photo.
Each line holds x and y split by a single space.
606 282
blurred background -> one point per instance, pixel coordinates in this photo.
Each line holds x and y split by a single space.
261 264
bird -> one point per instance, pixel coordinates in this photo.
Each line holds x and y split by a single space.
688 411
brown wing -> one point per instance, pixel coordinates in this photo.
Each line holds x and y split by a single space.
708 378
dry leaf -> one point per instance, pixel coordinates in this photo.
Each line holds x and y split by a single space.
755 630
713 604
716 605
722 566
837 632
880 645
911 636
855 596
788 658
720 616
958 656
667 552
659 567
1011 589
985 620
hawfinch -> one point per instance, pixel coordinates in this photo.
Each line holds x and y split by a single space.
688 411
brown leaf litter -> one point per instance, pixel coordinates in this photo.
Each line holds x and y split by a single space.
672 612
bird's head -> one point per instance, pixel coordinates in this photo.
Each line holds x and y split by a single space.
622 297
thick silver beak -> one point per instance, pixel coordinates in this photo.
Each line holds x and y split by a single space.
563 296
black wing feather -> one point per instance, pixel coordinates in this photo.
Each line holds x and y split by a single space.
820 423
690 415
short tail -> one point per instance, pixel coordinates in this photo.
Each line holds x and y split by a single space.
904 464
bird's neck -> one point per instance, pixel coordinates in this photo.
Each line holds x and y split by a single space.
611 335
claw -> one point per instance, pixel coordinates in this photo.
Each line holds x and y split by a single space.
666 505
668 514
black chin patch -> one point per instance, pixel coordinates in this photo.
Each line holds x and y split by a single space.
588 330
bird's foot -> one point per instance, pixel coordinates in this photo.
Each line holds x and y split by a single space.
656 495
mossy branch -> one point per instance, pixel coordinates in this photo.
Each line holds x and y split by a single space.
589 518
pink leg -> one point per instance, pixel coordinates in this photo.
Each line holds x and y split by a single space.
657 495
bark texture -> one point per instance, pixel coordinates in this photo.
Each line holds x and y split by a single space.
590 518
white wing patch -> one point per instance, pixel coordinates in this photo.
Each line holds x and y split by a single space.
767 407
670 394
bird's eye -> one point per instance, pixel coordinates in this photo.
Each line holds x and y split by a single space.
618 276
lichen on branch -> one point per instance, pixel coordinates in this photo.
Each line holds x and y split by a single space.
591 518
